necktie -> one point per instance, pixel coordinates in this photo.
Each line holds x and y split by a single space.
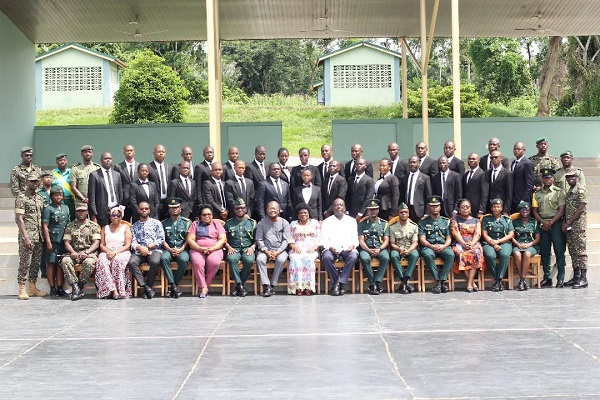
222 194
277 187
242 185
394 167
111 189
514 165
262 170
187 186
409 191
163 181
494 176
325 168
356 180
130 172
329 186
443 185
353 170
469 176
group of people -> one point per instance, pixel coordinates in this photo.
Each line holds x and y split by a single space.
113 218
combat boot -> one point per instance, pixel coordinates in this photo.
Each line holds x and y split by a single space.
77 292
22 292
34 291
582 283
575 279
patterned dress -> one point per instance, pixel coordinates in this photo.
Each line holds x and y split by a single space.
302 265
466 259
113 275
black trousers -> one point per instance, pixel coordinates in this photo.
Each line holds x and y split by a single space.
153 260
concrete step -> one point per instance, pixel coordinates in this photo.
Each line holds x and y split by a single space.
5 192
8 230
586 162
7 203
8 260
7 215
9 246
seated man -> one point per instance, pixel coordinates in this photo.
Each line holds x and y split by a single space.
240 245
147 239
82 240
404 239
435 239
272 236
373 237
175 246
339 236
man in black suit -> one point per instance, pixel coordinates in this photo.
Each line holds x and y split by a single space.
356 152
447 184
213 192
104 191
274 189
160 174
475 187
387 190
486 162
184 188
309 194
327 154
128 171
187 154
361 188
454 163
415 188
283 155
141 190
335 187
428 165
202 170
296 176
523 176
500 183
399 166
240 187
257 170
233 154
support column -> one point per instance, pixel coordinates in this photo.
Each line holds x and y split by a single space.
424 53
456 78
404 80
213 46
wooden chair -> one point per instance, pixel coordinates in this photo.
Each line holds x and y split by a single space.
252 278
188 281
158 282
339 265
88 289
460 278
284 272
508 279
362 279
535 273
418 283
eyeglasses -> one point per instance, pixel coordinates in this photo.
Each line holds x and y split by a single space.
493 157
465 206
206 215
115 215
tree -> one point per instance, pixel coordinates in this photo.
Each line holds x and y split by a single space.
547 75
150 92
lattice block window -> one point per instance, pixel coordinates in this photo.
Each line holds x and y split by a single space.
71 79
367 76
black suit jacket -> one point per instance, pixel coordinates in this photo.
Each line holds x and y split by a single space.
314 203
137 194
233 191
211 195
358 194
98 197
284 176
154 176
126 180
266 193
421 193
339 188
483 162
228 171
348 174
429 167
388 194
296 176
523 179
401 169
476 191
253 172
501 188
452 193
189 202
202 172
457 165
324 174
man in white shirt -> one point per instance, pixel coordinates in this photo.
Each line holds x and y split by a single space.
339 236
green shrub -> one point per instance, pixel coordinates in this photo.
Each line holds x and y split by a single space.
522 106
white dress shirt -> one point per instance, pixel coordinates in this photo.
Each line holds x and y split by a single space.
339 233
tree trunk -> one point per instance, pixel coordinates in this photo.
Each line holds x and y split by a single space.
547 75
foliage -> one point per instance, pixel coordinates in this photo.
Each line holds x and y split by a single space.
522 106
440 103
567 106
150 92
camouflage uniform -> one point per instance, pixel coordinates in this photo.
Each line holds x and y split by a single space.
540 162
561 181
18 177
29 261
81 175
81 235
576 236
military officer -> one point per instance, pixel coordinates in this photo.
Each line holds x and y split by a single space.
28 216
404 239
542 160
80 174
19 173
574 225
525 242
44 189
55 218
548 206
373 239
175 246
240 245
497 232
82 240
566 159
435 240
61 176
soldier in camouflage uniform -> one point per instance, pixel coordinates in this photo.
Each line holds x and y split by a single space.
404 239
80 174
82 240
373 239
542 160
566 159
574 225
28 216
19 173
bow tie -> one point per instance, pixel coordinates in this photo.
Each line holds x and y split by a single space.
306 186
284 167
144 183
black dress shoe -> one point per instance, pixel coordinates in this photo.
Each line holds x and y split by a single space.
521 285
373 290
437 289
53 292
403 289
148 292
560 284
242 292
444 288
77 293
335 289
273 290
500 286
342 289
378 287
266 291
546 282
495 287
409 288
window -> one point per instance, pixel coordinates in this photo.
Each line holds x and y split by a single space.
71 79
368 76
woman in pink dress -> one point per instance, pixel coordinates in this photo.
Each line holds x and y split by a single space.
206 238
112 276
466 232
304 245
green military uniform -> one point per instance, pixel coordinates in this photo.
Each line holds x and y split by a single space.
81 174
436 231
525 233
576 236
561 181
497 229
45 194
374 234
57 218
63 180
29 261
403 237
175 234
543 162
240 236
548 202
18 177
81 235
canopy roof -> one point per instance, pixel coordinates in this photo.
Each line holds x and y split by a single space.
52 21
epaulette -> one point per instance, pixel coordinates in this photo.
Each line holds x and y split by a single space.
187 219
411 222
446 218
97 165
75 165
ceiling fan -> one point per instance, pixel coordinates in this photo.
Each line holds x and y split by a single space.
326 29
538 30
138 34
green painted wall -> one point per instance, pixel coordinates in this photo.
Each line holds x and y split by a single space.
246 136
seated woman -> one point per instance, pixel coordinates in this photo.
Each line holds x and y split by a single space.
466 232
206 238
526 241
304 245
497 233
112 276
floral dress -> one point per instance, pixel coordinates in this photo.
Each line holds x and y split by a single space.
113 274
301 270
467 259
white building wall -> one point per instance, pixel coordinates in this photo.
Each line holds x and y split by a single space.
362 96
